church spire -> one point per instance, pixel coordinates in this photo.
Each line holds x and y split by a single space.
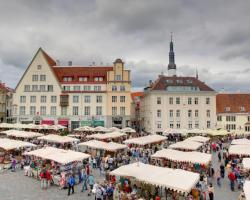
171 65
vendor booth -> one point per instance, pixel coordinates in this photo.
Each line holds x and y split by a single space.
198 139
186 145
239 150
242 141
146 140
108 136
21 134
246 189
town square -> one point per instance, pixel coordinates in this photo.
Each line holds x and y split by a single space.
124 100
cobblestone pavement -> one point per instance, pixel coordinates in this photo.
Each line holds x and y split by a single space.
16 186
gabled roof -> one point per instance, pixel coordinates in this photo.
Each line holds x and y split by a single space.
136 94
234 102
165 81
50 61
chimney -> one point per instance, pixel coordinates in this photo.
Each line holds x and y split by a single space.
70 63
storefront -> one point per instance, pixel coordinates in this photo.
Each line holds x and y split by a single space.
63 122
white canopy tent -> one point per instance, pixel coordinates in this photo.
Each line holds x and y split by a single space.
58 155
180 156
149 139
8 144
198 139
107 135
84 129
114 129
175 131
22 134
128 130
173 179
242 141
186 145
220 132
58 139
246 163
111 146
241 150
246 189
100 129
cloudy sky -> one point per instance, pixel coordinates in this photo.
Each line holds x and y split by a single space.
210 36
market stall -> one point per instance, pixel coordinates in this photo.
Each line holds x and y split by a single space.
60 162
239 150
242 141
108 136
128 130
246 189
170 180
246 163
191 161
22 134
146 140
198 139
186 145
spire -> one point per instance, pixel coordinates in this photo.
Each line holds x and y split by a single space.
171 65
197 75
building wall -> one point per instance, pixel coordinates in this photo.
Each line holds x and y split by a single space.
153 123
2 105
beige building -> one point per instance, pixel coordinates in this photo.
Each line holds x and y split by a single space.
3 94
177 102
73 95
233 112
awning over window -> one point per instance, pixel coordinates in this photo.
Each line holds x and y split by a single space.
63 122
48 122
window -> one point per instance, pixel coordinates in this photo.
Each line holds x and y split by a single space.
208 113
50 88
83 79
158 100
75 99
32 110
189 113
97 88
42 77
178 113
53 110
178 125
34 77
178 100
98 110
87 110
114 88
158 113
227 109
87 88
122 88
189 100
98 79
171 125
39 67
158 125
86 99
42 88
122 99
66 88
26 88
32 99
230 127
171 100
22 99
171 113
190 125
63 110
248 118
208 124
114 110
196 113
22 110
242 109
77 88
114 99
196 101
207 100
122 110
98 99
75 110
219 118
230 118
43 110
34 88
118 77
53 99
43 99
196 125
67 79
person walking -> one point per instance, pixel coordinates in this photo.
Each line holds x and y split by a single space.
84 180
43 178
13 165
222 170
218 178
71 183
232 178
219 156
91 182
211 191
48 178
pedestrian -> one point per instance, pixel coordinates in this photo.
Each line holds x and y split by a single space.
98 193
211 191
71 183
219 156
84 180
13 165
222 171
48 178
218 178
232 178
91 182
43 178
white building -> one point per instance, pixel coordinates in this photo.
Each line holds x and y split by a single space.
177 102
72 95
233 112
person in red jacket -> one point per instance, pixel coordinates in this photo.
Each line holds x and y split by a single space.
48 177
43 178
232 178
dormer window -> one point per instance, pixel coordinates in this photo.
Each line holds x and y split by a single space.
242 109
98 79
67 79
83 79
227 109
189 81
169 81
179 81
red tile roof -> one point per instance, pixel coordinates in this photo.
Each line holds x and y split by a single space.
50 61
136 94
234 102
164 81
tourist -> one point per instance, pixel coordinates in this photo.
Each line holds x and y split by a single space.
91 182
48 178
71 183
84 180
222 171
13 165
232 178
43 178
211 191
98 193
218 178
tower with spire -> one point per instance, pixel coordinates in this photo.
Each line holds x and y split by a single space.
171 65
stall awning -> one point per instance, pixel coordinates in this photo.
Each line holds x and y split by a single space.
63 122
48 122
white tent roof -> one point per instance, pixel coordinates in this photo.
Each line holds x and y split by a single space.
242 150
113 129
246 163
186 144
107 135
243 141
149 139
58 155
84 128
220 132
180 156
111 146
8 144
128 130
175 179
246 189
175 131
198 139
58 139
100 129
22 134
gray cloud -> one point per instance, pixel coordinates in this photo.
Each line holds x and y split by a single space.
212 36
